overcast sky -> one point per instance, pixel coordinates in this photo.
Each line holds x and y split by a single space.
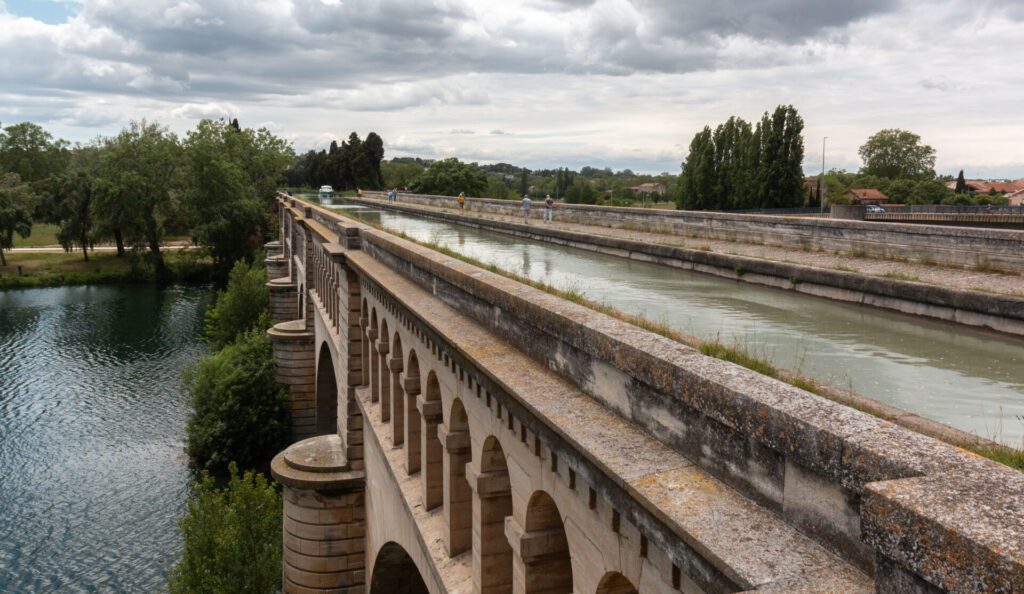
541 83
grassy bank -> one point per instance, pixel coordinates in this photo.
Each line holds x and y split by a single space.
36 269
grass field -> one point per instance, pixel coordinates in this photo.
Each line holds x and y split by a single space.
34 269
42 235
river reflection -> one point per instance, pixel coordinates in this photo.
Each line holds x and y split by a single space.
92 473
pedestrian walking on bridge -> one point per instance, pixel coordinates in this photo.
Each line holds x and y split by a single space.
549 207
526 208
462 201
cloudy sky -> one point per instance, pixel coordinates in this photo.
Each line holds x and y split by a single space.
543 83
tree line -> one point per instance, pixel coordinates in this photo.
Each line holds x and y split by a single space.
353 164
897 163
742 166
134 189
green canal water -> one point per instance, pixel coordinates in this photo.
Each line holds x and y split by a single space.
92 420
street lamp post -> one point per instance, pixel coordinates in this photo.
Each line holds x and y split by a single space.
821 180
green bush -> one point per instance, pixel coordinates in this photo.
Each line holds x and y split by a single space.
239 411
242 306
232 538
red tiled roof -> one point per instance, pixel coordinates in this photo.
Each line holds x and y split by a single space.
867 194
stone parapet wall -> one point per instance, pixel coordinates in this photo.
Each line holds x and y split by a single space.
953 246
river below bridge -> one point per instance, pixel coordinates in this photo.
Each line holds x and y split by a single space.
92 469
968 378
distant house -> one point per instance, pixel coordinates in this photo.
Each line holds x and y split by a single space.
984 186
648 188
865 196
1016 198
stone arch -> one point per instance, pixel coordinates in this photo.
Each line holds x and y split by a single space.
396 363
547 568
326 412
411 385
492 503
458 497
383 346
433 454
374 357
394 572
614 582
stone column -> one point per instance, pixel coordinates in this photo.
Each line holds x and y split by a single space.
537 566
283 299
324 518
397 402
492 557
295 369
432 477
385 381
411 387
458 498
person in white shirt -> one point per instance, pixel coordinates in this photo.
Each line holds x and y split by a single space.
526 208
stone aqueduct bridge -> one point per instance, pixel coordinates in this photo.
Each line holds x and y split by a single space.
460 432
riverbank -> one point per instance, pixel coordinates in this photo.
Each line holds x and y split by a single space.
994 300
30 269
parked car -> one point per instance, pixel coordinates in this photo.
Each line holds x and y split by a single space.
874 209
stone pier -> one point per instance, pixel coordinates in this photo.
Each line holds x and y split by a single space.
324 518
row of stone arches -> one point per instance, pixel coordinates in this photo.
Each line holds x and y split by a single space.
477 499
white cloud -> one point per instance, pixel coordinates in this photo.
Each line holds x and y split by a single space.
555 82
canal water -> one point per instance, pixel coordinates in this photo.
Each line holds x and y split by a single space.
92 421
970 379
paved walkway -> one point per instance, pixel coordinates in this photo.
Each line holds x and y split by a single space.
953 278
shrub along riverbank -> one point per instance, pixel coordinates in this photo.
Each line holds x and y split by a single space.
239 420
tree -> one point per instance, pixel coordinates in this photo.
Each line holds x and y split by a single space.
240 307
374 148
232 538
524 182
399 174
780 175
699 176
139 178
72 207
961 183
449 177
581 192
16 204
31 152
231 178
239 411
897 154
